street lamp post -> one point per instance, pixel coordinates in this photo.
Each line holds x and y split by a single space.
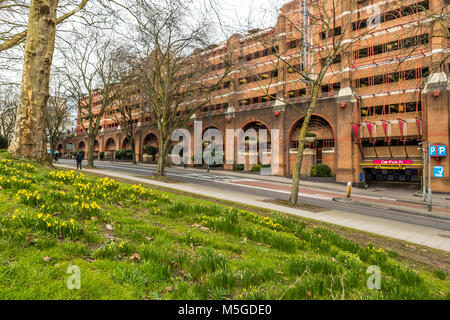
424 188
209 118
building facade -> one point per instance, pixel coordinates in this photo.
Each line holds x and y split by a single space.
383 98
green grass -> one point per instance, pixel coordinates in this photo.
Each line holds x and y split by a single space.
132 242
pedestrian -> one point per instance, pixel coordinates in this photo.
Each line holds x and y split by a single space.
114 157
79 158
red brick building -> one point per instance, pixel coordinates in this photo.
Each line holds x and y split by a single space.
373 111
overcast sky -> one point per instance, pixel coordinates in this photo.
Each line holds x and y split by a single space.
237 11
242 15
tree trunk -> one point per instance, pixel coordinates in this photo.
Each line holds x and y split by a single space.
133 147
301 146
52 150
29 134
162 159
90 157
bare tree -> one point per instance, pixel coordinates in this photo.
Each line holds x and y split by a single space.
312 63
15 28
9 98
170 65
127 101
29 134
58 114
91 73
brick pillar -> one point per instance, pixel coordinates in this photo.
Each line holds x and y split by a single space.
436 105
279 123
436 129
138 142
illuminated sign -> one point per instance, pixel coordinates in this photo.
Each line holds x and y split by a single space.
392 162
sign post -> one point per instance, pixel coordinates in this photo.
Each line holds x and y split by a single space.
430 151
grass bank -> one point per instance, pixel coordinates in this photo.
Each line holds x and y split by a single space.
132 242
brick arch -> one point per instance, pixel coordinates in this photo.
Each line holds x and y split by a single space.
72 146
107 140
96 145
295 122
126 144
214 127
82 145
256 120
149 133
330 160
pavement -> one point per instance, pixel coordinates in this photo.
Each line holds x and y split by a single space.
403 220
407 198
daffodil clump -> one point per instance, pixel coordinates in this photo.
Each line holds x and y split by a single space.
262 221
16 175
26 167
371 247
86 209
10 167
135 193
114 249
107 184
60 196
68 177
44 222
14 182
139 191
102 189
29 198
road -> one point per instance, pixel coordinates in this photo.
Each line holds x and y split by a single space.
310 196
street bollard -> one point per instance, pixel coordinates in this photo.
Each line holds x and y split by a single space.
349 190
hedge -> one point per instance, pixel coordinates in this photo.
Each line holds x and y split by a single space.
320 170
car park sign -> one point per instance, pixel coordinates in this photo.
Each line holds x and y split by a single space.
438 151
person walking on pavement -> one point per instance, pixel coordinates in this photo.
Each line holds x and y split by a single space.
79 158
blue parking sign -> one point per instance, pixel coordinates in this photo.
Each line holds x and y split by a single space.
442 151
433 151
438 171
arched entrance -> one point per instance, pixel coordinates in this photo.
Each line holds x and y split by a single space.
60 148
110 145
150 148
258 148
126 145
96 148
110 148
319 144
81 146
212 135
